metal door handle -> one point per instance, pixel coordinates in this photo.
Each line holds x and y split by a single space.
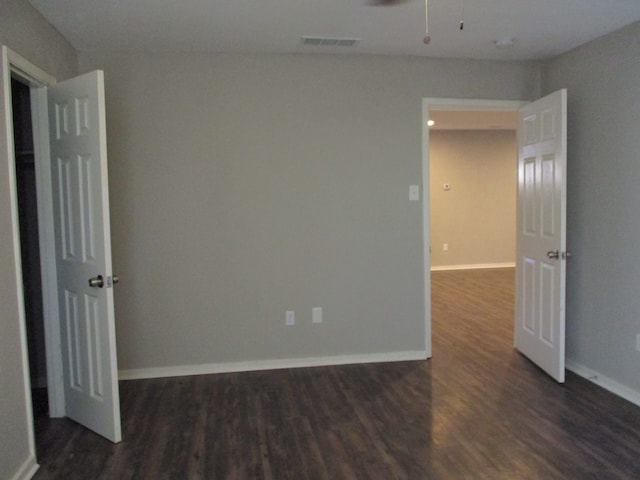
115 279
96 282
553 254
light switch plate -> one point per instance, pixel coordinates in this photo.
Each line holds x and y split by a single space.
316 315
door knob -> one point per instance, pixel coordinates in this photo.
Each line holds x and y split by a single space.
553 254
115 279
96 282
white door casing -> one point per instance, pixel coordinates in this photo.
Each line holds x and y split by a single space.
541 233
445 104
83 251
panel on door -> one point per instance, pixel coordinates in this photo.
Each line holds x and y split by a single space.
541 233
83 252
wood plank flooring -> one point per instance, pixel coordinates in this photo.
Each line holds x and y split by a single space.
476 410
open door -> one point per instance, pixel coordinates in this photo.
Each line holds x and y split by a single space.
83 252
541 233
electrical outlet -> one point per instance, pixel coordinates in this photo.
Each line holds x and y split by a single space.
445 247
316 315
290 317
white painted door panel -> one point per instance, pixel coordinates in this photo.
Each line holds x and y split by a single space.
541 233
83 251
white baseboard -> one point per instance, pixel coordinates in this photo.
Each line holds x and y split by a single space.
603 381
475 266
27 470
231 367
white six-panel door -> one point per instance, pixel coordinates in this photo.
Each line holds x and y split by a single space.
541 233
83 252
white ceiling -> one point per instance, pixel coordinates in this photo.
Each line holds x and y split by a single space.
541 28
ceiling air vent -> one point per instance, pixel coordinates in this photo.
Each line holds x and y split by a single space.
330 42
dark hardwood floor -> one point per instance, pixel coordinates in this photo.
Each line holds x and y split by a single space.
476 410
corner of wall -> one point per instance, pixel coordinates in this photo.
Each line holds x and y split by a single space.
28 33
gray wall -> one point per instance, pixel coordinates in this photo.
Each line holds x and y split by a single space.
476 218
27 33
603 305
243 186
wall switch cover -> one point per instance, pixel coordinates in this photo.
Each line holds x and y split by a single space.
316 315
290 317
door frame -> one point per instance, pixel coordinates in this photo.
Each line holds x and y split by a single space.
37 80
439 104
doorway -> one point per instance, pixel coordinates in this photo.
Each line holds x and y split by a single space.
451 105
539 326
28 139
473 190
26 191
73 130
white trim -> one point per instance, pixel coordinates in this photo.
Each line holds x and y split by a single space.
475 266
603 381
27 470
255 365
9 154
37 79
426 227
35 76
15 65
